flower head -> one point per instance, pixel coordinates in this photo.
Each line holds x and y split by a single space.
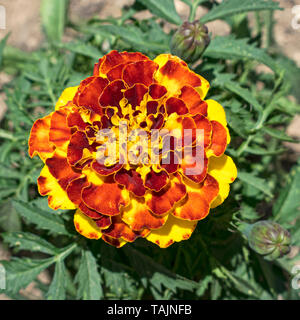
105 155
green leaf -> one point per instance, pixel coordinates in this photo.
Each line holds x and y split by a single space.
88 278
287 206
130 34
163 9
42 219
258 183
29 241
57 289
81 48
230 7
9 173
229 47
21 271
278 134
2 46
157 274
53 13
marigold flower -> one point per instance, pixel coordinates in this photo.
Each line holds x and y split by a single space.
120 201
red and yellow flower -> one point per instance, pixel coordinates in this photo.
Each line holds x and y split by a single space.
120 202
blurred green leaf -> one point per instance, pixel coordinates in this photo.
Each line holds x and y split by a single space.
287 206
163 9
230 7
2 46
53 13
257 183
229 47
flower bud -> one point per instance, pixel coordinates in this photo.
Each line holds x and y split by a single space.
190 41
268 238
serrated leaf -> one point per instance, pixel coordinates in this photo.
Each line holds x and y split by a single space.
57 289
88 278
53 13
230 7
257 183
229 47
278 134
130 34
29 241
287 206
9 173
157 274
40 218
163 9
21 271
81 48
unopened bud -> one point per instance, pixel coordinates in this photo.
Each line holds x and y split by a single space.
268 238
190 41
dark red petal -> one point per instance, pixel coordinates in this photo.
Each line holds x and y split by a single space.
135 94
77 143
115 58
88 97
61 170
176 105
218 138
139 72
157 91
156 180
152 107
131 180
193 101
105 170
112 94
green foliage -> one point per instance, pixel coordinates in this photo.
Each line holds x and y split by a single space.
53 14
216 262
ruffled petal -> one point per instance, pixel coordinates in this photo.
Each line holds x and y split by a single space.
224 171
196 205
174 75
139 72
86 226
61 170
119 229
118 243
218 139
193 100
57 197
115 58
138 216
104 195
132 181
67 96
89 93
135 94
39 139
60 133
162 202
174 230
